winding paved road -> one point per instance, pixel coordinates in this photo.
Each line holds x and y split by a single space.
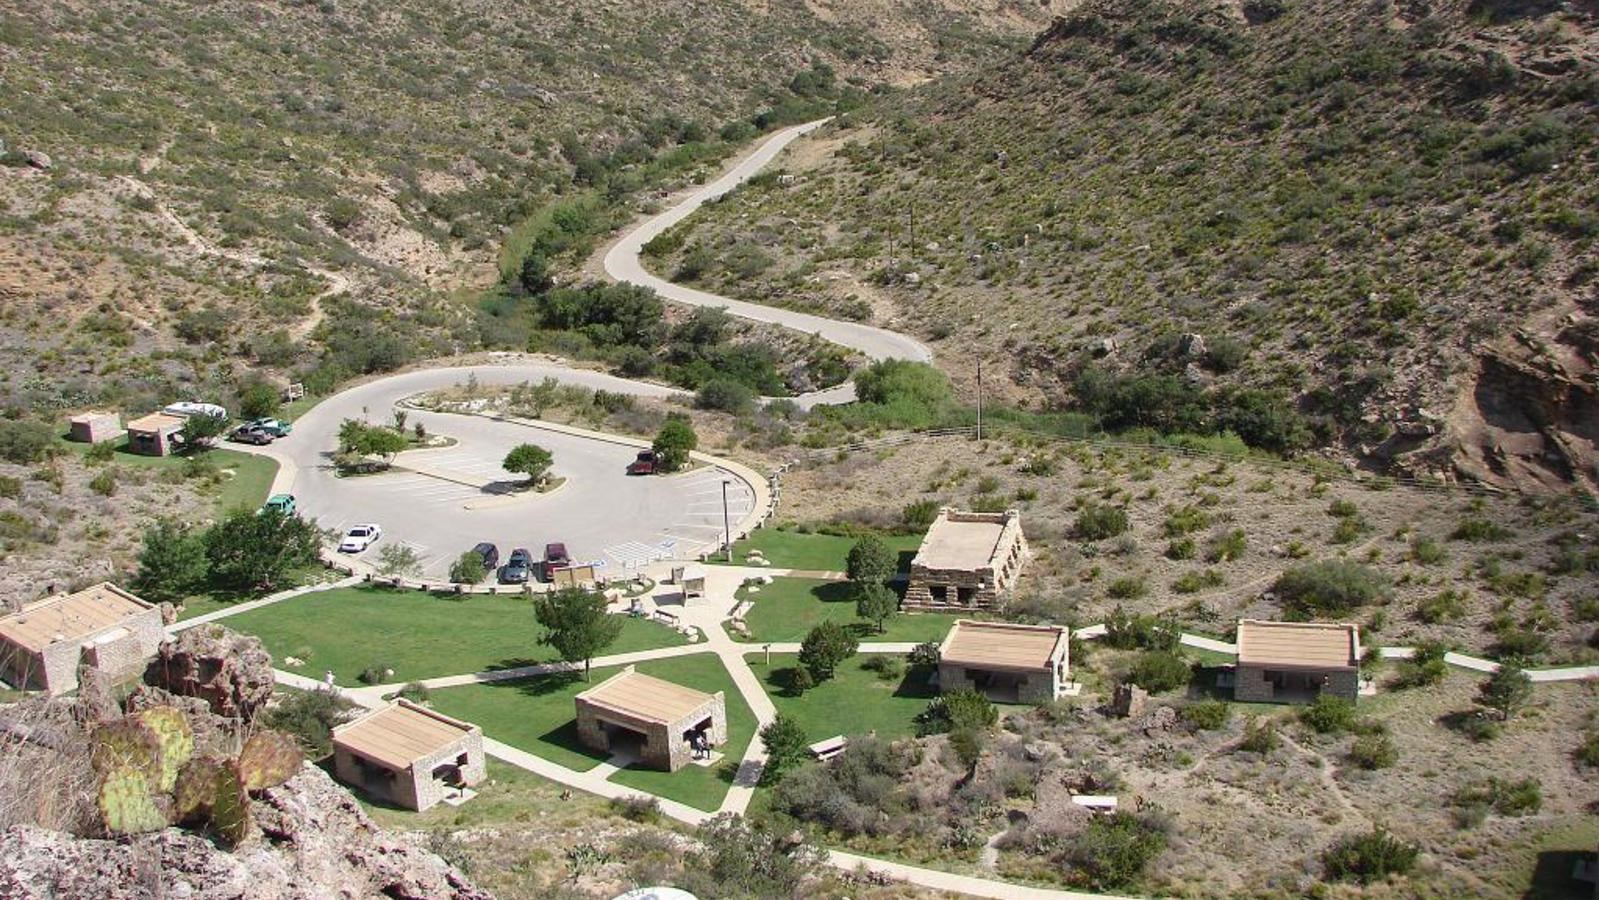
622 262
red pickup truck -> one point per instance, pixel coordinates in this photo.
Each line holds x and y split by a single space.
645 464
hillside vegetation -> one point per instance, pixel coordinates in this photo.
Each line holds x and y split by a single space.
1315 223
323 189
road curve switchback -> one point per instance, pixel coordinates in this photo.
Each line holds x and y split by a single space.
623 262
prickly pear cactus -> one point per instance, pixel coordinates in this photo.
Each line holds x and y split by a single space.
126 744
197 787
176 738
126 804
230 806
269 758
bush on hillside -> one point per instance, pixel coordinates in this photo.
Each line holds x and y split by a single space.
1331 587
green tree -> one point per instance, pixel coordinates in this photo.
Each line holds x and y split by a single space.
787 745
1332 586
202 430
1159 670
310 716
172 564
256 551
257 400
748 858
25 441
468 568
534 277
530 460
871 561
957 710
1505 691
827 645
875 601
576 624
675 442
399 561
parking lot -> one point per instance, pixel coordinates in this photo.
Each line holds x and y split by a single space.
456 497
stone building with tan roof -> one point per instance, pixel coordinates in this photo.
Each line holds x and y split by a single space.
157 434
1008 663
1296 662
103 627
967 561
660 718
408 755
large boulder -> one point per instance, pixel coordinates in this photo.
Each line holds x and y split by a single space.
314 841
231 672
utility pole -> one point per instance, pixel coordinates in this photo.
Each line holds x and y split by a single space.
979 400
727 521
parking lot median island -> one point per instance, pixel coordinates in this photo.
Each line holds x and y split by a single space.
417 634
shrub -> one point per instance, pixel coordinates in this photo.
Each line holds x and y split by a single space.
1507 798
675 442
1208 715
1143 632
923 655
310 717
415 691
1181 548
1228 547
1186 520
1425 668
824 647
1159 670
725 395
1343 509
1444 607
102 452
887 666
1194 582
919 514
377 673
1332 586
1478 529
1369 857
1260 736
1427 551
1127 588
1588 751
1374 751
1096 522
468 568
1112 851
104 483
1329 714
960 709
1505 691
636 808
25 441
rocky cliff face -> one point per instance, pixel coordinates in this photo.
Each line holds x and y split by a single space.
314 842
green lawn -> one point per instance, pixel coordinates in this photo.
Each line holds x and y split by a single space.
538 715
789 607
813 552
417 634
854 701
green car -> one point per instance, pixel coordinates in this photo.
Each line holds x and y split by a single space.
283 503
274 427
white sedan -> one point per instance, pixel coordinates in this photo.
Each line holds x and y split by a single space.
359 538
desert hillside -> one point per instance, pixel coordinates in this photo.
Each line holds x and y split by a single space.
303 185
1319 224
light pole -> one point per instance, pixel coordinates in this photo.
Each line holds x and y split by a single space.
727 521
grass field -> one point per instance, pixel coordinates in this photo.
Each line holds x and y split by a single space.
789 607
417 634
814 552
854 701
537 715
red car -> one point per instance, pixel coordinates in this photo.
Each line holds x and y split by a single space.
645 464
554 558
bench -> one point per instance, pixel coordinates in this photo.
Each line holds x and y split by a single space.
666 616
826 750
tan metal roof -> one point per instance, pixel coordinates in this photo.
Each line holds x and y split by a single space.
643 697
959 545
1317 645
401 734
156 421
1000 645
70 617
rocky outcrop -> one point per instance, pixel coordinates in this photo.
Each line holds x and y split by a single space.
231 672
315 842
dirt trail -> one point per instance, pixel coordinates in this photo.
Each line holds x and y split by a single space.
337 283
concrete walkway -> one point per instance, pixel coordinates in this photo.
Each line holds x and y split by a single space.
279 597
